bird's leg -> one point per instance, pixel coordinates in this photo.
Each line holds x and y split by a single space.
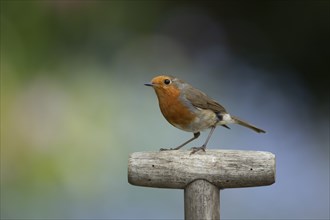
196 135
203 147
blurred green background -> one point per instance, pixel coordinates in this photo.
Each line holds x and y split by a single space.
73 104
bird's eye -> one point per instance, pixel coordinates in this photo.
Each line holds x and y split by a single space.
167 81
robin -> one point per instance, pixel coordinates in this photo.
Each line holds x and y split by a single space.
191 110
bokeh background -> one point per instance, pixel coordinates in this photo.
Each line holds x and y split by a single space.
73 103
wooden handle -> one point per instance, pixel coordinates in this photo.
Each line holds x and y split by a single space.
222 168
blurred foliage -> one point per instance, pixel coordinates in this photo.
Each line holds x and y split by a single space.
73 104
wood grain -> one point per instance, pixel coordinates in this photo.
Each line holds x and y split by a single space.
201 201
222 168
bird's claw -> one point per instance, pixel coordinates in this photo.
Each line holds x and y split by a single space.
165 149
196 149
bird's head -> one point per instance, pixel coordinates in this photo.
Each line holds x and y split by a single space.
166 85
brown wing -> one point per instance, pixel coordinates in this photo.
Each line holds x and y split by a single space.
201 100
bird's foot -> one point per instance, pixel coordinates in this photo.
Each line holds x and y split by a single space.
166 149
196 149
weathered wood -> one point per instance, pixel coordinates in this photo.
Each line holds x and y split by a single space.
201 201
222 168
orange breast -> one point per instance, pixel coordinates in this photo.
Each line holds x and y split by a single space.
175 112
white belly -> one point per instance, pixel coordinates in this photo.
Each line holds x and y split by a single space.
204 119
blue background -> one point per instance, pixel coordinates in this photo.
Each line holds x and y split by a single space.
73 103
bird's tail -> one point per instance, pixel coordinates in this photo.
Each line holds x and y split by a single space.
245 124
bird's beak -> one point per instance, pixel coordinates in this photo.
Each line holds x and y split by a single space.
149 84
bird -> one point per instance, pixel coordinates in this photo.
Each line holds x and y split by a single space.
191 110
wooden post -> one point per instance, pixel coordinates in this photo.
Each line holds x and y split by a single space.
201 200
201 175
